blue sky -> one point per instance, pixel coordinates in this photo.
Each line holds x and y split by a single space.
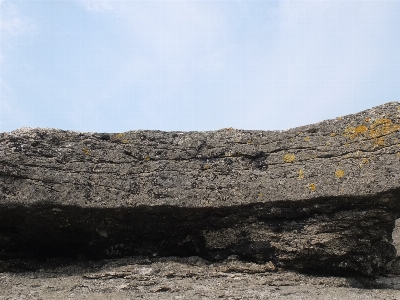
114 66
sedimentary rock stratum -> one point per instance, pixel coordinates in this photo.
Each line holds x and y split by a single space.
321 197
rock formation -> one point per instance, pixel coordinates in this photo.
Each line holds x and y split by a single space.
322 197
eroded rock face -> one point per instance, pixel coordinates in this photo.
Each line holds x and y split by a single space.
321 197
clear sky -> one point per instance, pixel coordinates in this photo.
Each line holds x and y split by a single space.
114 66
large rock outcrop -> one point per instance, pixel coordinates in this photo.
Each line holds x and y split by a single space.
321 197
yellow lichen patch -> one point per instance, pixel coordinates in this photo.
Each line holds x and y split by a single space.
361 129
206 166
125 141
289 158
260 195
249 141
86 151
333 134
339 118
367 120
339 173
119 135
307 139
397 154
352 132
379 122
312 187
379 142
363 162
147 157
301 174
382 127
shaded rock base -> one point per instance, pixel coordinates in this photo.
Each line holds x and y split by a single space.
335 236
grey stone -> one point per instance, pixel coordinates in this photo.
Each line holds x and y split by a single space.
186 278
321 198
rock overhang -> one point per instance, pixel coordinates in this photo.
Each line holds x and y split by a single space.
348 165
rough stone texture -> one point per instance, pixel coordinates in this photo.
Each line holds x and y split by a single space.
396 235
321 198
185 278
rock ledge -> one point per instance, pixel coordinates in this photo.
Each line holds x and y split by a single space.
322 197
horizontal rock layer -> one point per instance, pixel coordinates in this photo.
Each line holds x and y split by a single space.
321 197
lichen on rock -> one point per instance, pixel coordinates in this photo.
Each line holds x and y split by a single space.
321 197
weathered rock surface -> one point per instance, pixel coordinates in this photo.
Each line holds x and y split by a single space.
321 197
185 278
